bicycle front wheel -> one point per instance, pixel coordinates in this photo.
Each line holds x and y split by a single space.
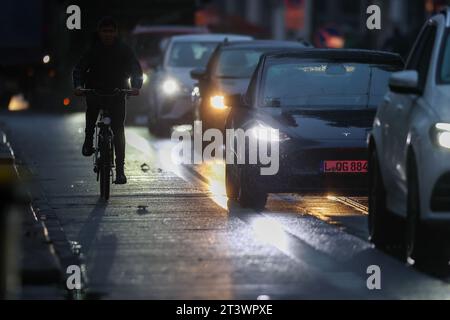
105 169
105 181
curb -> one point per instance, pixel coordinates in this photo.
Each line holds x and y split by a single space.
39 268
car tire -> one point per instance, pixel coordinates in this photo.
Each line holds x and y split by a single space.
415 234
231 183
426 245
383 227
251 194
151 124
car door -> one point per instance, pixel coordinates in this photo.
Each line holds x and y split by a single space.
401 108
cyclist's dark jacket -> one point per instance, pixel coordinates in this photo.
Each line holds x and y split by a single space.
107 67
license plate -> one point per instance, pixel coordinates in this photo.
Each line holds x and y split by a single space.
345 166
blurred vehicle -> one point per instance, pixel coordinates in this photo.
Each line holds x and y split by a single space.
228 72
170 85
148 42
410 151
323 102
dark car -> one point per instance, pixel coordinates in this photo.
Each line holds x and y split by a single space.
228 72
318 106
170 87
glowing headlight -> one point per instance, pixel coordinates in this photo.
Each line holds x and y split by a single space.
266 133
144 78
444 139
170 87
195 92
217 102
442 134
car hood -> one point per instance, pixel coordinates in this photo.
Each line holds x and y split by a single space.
440 102
339 124
231 86
182 75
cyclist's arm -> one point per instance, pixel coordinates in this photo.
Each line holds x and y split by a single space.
135 71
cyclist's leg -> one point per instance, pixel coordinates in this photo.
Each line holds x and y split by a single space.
92 111
118 113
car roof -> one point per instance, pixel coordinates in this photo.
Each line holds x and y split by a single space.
263 44
139 29
354 55
211 37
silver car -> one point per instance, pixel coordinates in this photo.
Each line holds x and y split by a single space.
171 84
410 152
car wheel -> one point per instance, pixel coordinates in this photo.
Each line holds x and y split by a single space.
151 124
231 184
251 194
411 245
383 227
426 245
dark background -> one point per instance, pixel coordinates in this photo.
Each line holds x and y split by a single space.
32 29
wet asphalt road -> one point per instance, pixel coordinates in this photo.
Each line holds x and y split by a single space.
171 233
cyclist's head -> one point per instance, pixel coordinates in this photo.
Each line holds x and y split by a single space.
107 30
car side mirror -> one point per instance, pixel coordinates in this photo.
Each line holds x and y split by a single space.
198 74
405 82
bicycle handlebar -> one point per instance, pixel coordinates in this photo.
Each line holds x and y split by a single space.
115 91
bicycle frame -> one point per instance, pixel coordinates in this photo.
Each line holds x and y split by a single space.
103 132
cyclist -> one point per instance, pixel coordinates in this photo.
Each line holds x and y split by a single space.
108 64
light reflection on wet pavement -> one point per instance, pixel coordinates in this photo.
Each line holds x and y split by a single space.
171 233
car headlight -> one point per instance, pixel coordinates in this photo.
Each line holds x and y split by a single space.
217 102
170 87
441 134
266 133
195 92
144 78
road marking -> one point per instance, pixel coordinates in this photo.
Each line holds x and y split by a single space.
351 203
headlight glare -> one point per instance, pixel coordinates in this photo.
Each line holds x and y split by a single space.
444 139
218 102
170 87
441 134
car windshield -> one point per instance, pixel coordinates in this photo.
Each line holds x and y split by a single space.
148 45
324 84
239 63
444 73
190 54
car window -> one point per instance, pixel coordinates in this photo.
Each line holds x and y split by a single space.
190 54
148 45
239 63
424 66
421 57
323 84
444 64
413 60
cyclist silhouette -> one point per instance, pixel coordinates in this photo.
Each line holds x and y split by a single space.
107 65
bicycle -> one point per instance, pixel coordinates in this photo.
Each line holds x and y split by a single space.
104 145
